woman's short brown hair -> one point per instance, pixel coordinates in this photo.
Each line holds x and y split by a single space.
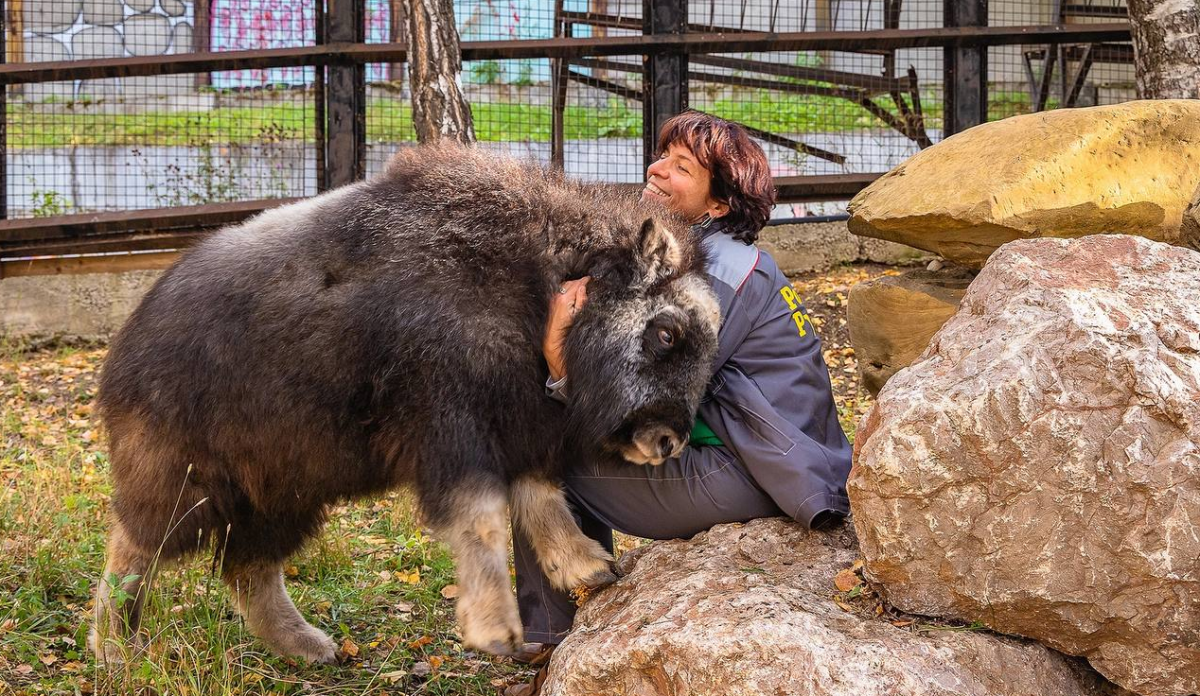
741 177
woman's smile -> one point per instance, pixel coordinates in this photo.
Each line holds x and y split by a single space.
653 190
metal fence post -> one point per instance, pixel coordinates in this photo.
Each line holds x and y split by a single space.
966 98
344 98
4 10
664 82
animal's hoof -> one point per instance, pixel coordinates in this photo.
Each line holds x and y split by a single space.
112 652
599 580
500 648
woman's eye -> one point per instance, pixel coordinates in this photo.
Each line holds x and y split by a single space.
666 338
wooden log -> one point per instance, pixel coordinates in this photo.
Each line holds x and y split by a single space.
891 319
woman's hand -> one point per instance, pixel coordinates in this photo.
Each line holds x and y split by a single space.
563 306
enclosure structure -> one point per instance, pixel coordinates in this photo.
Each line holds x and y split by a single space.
137 125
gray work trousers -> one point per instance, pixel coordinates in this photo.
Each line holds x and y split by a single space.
684 496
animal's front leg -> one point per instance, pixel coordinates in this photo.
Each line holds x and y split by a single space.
477 531
568 557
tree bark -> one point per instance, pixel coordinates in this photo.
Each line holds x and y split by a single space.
1166 47
435 73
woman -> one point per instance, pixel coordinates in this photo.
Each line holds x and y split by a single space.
767 440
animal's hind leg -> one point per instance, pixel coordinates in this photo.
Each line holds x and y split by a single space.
476 528
269 613
568 557
120 597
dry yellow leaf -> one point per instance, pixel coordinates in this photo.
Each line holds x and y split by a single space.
450 591
349 647
846 580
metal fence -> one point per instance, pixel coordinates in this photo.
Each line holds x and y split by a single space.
135 125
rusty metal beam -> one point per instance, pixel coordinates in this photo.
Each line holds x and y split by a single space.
340 54
63 265
81 226
178 228
846 79
824 187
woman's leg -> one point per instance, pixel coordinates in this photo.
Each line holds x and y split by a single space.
684 496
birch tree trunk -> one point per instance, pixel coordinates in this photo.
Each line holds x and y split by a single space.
435 70
1166 47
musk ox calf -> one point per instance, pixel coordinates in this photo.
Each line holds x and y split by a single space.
384 334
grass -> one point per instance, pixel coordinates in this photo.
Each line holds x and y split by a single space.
373 580
62 124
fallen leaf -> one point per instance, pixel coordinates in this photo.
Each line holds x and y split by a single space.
421 669
436 661
24 669
48 659
420 643
846 580
291 571
902 624
349 647
450 591
843 605
394 676
413 578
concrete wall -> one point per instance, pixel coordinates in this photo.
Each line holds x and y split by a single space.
87 306
94 306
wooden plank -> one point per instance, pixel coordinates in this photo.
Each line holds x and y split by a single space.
117 263
864 41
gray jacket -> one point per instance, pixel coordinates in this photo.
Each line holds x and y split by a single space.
770 400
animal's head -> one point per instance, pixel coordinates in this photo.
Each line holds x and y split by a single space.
641 351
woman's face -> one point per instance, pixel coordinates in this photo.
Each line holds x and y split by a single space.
678 181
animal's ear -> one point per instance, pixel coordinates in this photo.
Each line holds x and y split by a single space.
660 251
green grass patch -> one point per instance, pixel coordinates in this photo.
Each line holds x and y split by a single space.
373 580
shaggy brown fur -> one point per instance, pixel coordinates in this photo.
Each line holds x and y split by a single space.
388 334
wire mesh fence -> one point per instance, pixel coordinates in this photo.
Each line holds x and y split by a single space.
214 136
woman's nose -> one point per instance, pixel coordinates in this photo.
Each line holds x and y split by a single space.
655 169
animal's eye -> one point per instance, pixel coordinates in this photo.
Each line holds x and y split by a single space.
666 338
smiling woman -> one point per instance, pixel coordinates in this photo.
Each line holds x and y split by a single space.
766 442
709 167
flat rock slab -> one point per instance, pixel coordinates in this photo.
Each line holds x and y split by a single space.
1038 469
746 610
892 318
1130 168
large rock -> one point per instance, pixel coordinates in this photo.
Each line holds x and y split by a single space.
748 610
1191 216
1039 468
1129 168
892 318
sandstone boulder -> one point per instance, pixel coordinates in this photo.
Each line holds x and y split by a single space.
1129 169
747 610
892 318
1191 217
1038 469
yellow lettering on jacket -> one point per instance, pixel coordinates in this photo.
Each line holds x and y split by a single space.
793 303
